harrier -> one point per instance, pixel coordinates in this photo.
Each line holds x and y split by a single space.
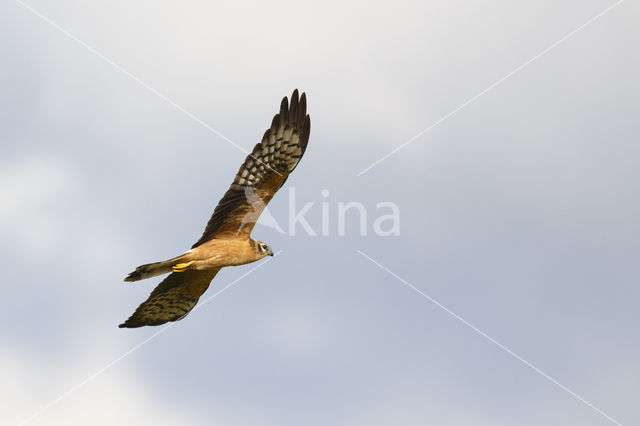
226 240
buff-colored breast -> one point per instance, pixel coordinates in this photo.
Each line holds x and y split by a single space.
217 253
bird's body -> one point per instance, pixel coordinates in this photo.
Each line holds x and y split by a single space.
217 253
226 240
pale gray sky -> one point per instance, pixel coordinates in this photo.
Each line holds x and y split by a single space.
519 213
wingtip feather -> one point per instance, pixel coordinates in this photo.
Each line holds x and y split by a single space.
302 108
293 107
284 107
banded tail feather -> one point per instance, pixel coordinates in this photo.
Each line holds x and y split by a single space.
153 269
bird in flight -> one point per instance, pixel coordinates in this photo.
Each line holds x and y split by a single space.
226 240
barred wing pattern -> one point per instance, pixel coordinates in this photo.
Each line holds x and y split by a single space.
172 299
263 172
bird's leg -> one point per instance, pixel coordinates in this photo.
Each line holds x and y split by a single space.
181 267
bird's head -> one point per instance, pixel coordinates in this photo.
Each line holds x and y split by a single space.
263 249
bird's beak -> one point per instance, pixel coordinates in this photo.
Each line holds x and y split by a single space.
270 253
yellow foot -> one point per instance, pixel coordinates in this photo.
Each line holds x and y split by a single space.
181 267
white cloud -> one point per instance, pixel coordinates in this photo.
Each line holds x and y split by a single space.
114 397
375 76
29 194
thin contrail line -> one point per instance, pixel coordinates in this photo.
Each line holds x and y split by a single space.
447 116
133 349
492 340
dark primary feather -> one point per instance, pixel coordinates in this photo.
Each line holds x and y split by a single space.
263 172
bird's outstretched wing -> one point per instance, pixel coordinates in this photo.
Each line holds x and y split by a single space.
263 172
172 299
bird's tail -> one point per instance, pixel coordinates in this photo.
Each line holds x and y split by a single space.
152 269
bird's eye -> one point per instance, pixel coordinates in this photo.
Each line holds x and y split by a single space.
263 247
